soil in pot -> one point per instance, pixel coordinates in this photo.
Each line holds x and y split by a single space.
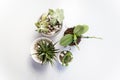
53 29
43 50
67 56
70 31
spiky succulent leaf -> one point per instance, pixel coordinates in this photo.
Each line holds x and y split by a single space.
46 51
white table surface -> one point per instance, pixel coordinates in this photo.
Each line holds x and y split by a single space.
96 59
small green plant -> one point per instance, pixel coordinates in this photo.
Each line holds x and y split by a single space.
78 31
45 51
65 57
48 21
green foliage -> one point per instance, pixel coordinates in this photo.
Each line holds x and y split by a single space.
53 21
51 12
75 40
66 40
45 51
44 17
42 27
80 29
51 18
77 32
66 58
59 15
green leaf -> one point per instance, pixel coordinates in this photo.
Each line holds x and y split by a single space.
41 26
49 58
51 11
75 37
37 24
59 15
53 21
66 40
44 16
75 41
67 58
80 29
45 51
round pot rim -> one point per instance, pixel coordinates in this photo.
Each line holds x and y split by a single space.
59 57
52 35
55 34
32 50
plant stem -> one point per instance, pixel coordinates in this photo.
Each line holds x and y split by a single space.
77 45
75 38
91 37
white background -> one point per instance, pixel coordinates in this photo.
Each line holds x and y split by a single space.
96 59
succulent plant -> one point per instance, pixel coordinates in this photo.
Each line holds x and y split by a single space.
65 57
45 51
50 22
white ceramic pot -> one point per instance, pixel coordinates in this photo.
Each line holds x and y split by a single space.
60 54
52 34
33 51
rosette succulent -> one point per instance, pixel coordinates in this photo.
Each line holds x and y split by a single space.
50 22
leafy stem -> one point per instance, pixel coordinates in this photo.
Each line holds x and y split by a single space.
73 38
75 41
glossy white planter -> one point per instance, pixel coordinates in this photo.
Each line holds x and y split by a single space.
53 33
60 60
33 51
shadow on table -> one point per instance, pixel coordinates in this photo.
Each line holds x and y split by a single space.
59 67
38 67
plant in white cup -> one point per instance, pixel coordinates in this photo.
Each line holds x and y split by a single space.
65 57
43 50
50 23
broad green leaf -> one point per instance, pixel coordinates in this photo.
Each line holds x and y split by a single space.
66 40
80 29
67 58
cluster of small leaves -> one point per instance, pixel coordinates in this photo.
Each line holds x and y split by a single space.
77 32
45 51
66 58
51 18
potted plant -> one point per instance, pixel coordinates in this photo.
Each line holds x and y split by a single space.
72 36
50 23
65 57
43 50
